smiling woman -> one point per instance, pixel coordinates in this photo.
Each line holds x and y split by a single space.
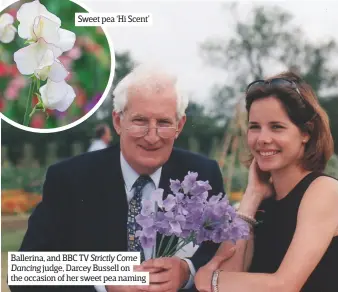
274 140
50 55
295 246
289 107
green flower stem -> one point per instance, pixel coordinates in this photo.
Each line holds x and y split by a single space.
37 84
40 100
159 249
183 243
26 119
178 246
168 245
32 112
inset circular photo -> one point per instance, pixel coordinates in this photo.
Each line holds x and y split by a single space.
53 74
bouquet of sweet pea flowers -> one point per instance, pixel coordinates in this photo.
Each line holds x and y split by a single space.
190 214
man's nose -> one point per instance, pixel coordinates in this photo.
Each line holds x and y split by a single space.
152 136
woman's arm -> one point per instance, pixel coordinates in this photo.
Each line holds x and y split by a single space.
258 189
317 223
230 257
241 260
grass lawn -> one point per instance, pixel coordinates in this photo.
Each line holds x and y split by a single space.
10 241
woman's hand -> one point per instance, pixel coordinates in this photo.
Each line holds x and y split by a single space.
259 182
259 188
203 276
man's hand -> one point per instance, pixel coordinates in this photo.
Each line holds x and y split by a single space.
174 273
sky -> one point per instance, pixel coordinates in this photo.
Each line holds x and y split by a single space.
179 27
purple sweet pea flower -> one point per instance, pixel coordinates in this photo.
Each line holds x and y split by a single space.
157 197
147 242
175 186
239 229
215 199
202 235
162 223
147 208
189 181
175 227
195 206
175 222
181 204
200 187
145 221
147 238
191 224
220 234
182 209
179 197
149 231
219 210
200 198
169 203
185 233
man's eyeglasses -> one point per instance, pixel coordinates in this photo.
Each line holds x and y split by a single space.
276 82
163 132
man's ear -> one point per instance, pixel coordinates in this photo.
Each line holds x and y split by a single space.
117 122
180 125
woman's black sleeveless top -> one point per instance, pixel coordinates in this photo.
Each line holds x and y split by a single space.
274 234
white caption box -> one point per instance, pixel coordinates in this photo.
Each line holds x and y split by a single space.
75 268
113 19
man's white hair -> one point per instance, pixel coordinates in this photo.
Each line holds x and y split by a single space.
148 77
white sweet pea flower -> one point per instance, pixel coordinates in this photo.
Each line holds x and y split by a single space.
41 60
55 72
36 21
57 95
46 28
7 30
66 41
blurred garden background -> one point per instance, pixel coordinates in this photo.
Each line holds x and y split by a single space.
88 63
216 128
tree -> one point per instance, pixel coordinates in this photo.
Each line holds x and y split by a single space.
200 131
267 43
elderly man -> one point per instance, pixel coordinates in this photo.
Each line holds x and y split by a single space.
86 199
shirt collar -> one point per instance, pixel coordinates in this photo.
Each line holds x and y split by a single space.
130 175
